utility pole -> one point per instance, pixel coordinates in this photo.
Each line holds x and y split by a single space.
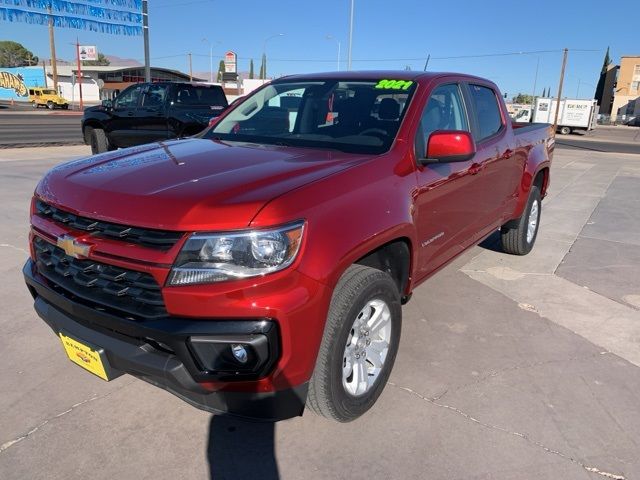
145 33
52 44
79 78
535 85
190 68
426 64
564 64
350 36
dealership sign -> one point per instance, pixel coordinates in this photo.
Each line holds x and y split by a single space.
14 82
88 52
230 62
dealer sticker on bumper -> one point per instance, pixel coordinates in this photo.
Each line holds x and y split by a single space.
87 357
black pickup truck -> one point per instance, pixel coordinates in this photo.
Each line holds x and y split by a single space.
151 112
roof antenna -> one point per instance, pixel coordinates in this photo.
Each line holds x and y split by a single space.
427 63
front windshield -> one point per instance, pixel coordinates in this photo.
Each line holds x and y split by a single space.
361 116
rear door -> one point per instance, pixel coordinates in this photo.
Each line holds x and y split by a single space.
150 116
121 127
192 106
496 167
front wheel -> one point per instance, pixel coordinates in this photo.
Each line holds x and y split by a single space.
99 141
519 235
50 105
359 345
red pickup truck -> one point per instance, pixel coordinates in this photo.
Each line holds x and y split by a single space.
261 266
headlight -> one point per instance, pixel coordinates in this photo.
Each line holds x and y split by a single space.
216 257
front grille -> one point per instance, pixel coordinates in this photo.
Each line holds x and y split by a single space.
161 239
104 287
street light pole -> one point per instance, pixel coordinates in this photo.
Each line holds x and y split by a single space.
145 33
350 36
331 37
264 54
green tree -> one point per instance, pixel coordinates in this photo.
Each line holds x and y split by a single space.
523 98
251 69
221 70
263 67
603 76
101 61
13 54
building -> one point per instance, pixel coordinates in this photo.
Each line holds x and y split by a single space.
98 83
626 94
105 82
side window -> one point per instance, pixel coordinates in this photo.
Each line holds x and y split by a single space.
489 119
154 96
128 98
444 111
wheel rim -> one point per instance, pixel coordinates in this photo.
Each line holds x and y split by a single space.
532 224
367 348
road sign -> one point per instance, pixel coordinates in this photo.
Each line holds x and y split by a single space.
88 52
230 62
229 77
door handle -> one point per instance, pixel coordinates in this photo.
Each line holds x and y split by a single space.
475 168
507 154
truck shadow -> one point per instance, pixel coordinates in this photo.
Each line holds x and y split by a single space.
239 449
492 242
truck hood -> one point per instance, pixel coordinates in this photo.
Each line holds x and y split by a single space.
184 185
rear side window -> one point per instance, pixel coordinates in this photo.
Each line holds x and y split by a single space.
488 115
200 95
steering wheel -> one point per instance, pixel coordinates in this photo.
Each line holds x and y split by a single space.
377 132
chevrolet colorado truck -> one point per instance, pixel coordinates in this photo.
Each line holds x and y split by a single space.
260 267
151 112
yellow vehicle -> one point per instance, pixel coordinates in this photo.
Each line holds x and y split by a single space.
47 97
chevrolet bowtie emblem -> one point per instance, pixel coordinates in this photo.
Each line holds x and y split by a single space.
72 247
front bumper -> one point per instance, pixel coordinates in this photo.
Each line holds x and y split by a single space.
159 353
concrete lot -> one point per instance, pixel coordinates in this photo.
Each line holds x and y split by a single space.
509 367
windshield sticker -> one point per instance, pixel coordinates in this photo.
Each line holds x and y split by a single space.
394 84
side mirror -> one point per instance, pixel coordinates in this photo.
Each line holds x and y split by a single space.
108 104
449 146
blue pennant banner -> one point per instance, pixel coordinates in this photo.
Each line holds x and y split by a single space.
74 8
63 21
128 4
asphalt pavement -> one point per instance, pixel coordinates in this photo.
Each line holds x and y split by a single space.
39 127
509 367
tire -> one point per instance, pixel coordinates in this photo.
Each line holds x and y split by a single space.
50 105
565 130
517 238
99 141
34 105
360 290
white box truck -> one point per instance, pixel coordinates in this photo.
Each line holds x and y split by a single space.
574 114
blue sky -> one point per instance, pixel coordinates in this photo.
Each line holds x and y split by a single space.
385 34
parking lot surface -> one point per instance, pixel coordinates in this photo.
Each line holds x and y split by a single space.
509 367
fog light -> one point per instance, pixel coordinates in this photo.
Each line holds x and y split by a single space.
239 352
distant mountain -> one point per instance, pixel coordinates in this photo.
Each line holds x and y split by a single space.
123 62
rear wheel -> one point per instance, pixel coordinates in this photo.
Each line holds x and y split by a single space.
565 130
99 141
519 235
50 105
359 345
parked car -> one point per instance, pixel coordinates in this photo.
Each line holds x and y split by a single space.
46 97
151 112
262 265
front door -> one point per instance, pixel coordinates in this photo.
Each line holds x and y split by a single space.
121 127
444 211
